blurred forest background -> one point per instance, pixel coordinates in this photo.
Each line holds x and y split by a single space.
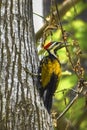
74 22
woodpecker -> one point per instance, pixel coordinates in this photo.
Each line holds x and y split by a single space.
49 73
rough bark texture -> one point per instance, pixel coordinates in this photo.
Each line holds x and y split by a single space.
19 100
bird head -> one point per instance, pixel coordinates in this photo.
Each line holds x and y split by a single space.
53 47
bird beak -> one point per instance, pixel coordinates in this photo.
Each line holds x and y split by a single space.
60 45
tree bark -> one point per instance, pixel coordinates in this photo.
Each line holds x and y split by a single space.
20 105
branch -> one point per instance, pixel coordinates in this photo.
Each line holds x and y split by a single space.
66 5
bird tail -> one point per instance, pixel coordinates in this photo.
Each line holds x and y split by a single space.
47 99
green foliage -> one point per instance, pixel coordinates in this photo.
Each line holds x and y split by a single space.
64 94
76 25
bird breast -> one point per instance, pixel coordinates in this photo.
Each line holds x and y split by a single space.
49 67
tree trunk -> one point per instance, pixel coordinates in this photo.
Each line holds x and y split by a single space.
20 105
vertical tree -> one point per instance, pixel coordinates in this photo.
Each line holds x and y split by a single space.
19 99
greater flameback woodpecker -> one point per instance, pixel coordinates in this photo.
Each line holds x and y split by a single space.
49 74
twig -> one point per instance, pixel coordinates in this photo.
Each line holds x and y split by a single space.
80 86
41 17
66 89
67 108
